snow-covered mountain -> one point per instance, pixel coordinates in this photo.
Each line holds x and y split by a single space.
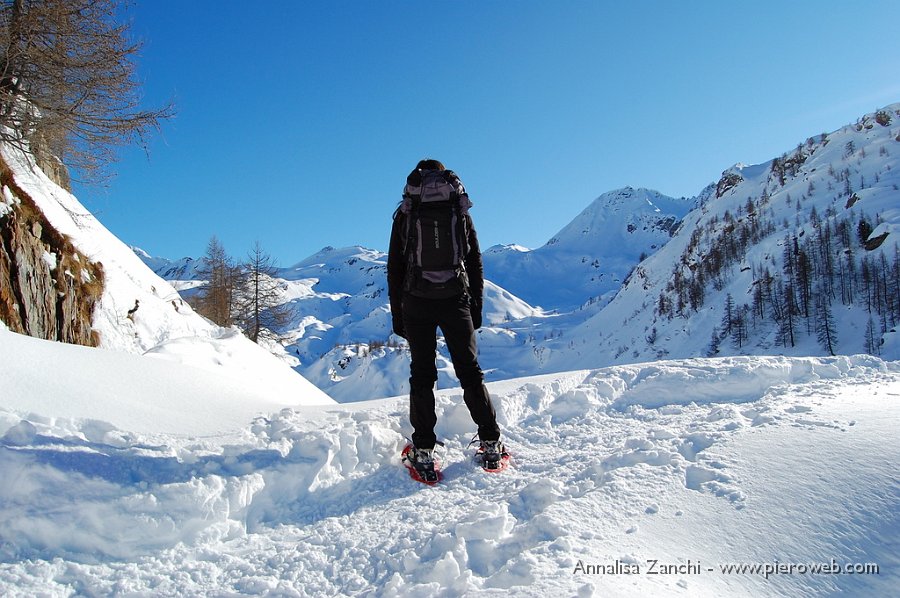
591 256
641 276
184 269
341 329
775 254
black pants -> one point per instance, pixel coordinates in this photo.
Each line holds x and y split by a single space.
421 319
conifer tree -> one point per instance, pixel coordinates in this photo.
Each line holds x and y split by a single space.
873 344
728 317
261 310
216 297
714 342
782 314
825 327
739 332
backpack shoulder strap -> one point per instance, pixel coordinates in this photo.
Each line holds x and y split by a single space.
451 179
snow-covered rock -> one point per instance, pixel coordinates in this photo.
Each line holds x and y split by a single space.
141 313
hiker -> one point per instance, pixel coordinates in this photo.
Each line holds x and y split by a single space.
436 280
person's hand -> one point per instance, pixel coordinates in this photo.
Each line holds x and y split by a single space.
397 323
475 310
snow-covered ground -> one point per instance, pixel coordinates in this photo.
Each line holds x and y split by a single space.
685 466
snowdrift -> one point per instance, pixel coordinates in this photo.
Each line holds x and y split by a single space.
140 394
691 465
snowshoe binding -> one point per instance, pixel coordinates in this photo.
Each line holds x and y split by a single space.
422 465
491 455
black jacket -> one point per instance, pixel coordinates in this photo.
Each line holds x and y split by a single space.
397 263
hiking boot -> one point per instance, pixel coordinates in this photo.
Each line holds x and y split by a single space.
423 462
492 453
422 456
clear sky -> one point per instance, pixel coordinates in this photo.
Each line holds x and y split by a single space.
298 121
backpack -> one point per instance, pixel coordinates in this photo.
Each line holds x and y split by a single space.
436 242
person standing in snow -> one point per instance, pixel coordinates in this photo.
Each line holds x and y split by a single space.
436 280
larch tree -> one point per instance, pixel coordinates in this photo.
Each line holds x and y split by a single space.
216 299
69 93
261 310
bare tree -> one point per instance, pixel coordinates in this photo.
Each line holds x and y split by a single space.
826 331
873 342
217 296
728 318
261 311
68 87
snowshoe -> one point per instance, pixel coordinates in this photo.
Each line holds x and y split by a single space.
421 464
491 455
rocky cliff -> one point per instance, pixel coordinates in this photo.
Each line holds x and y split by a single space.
48 289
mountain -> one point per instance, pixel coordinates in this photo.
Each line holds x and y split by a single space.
341 329
798 256
591 256
184 269
805 238
341 332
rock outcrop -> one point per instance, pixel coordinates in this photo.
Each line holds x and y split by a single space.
48 289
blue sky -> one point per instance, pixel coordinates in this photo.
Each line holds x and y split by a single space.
298 121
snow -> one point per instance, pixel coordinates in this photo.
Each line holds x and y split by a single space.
140 394
9 200
140 476
50 260
179 459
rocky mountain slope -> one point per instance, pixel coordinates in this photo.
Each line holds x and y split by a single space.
797 256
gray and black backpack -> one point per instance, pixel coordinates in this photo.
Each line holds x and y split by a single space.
435 204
